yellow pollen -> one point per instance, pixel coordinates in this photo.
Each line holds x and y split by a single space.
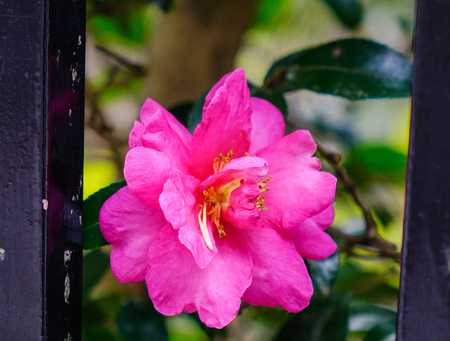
262 183
221 161
218 201
259 204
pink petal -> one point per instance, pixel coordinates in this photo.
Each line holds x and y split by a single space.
150 107
146 170
177 199
324 219
225 126
176 283
247 168
267 124
130 227
159 135
311 241
298 190
242 212
279 274
214 89
181 209
134 140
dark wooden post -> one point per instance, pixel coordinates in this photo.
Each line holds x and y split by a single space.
41 135
424 302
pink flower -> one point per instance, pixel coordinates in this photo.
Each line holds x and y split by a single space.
222 215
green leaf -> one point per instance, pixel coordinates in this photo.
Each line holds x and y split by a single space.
139 321
92 237
367 286
322 320
95 264
128 26
351 68
368 163
165 5
272 13
324 273
195 114
367 316
182 111
97 332
274 97
382 332
349 12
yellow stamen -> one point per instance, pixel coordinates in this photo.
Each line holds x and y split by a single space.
204 227
221 161
259 204
262 183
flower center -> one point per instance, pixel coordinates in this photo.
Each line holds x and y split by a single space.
217 200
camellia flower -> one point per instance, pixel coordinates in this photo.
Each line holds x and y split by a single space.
224 214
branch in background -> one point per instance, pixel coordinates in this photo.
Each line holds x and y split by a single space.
378 245
136 69
334 160
97 120
98 124
371 238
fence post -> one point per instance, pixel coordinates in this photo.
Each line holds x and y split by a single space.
42 48
424 300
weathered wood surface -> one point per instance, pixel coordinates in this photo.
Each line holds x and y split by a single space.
41 135
424 302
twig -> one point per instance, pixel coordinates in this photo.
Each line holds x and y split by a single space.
136 69
334 160
378 245
98 124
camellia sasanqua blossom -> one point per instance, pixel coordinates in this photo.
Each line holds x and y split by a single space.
221 215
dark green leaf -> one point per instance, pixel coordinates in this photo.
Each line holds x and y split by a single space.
382 332
95 264
195 114
92 237
349 12
96 325
322 320
367 286
351 68
274 97
98 332
165 5
127 26
272 13
181 112
139 321
375 163
324 272
367 316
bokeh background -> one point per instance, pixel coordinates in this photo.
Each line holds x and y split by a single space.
175 51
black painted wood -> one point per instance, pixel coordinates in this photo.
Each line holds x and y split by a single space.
41 135
424 301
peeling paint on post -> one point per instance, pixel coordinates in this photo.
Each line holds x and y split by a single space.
42 110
